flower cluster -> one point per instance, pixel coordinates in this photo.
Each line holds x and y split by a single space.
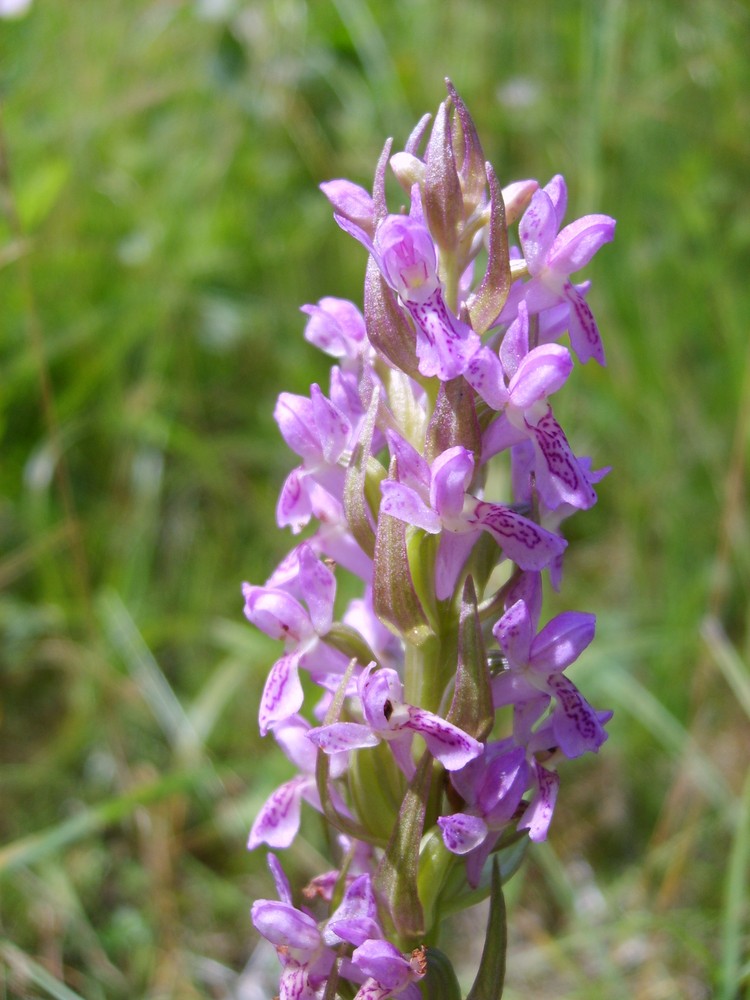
440 705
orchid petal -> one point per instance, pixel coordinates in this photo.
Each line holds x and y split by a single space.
453 551
342 736
282 924
451 475
559 477
276 613
450 745
584 333
461 832
278 821
561 641
333 428
295 416
405 504
335 326
412 468
484 373
351 202
282 695
538 815
577 243
356 919
514 633
576 725
542 372
537 230
318 585
524 542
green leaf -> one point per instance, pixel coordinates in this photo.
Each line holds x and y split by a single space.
40 190
396 878
488 984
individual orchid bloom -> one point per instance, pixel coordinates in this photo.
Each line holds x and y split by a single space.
356 918
552 256
305 958
278 820
320 433
337 327
523 477
434 498
405 254
534 676
492 786
387 717
390 974
534 376
278 613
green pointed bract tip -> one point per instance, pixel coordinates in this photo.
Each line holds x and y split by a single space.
361 501
395 881
395 598
443 201
453 421
488 300
468 153
471 708
388 328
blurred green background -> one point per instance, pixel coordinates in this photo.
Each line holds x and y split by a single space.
161 225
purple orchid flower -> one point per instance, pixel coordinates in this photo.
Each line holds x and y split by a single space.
278 820
387 717
534 676
390 973
305 958
534 375
278 613
356 918
405 253
319 432
492 786
552 256
434 498
337 327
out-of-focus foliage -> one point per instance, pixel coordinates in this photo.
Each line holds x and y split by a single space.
161 225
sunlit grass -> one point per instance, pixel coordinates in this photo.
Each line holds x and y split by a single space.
161 226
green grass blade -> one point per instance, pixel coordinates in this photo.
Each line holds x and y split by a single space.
32 972
728 661
35 846
735 904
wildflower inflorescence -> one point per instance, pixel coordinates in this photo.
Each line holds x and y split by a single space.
441 703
